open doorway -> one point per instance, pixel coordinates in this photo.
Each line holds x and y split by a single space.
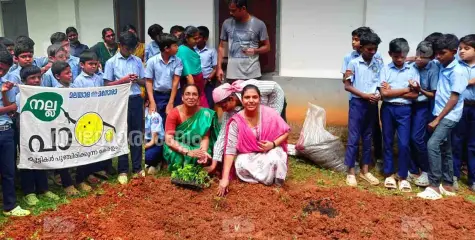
130 12
265 10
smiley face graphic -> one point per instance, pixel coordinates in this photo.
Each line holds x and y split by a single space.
89 128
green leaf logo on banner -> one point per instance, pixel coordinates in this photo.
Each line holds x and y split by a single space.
45 106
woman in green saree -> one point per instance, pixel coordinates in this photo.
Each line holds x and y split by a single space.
107 48
190 131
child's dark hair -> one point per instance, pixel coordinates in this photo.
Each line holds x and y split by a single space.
191 85
128 39
155 31
447 41
239 3
129 27
433 37
25 40
58 37
368 38
204 31
425 49
359 31
105 30
58 67
190 31
7 42
176 29
249 87
166 41
468 40
22 48
399 45
27 71
71 30
88 55
5 56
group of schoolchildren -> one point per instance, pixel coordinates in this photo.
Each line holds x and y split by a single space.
162 72
428 104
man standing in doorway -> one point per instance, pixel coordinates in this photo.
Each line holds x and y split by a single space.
247 38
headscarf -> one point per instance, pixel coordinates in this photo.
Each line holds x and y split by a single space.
224 91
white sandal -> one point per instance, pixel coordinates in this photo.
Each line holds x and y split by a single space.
390 183
445 192
429 194
370 178
422 180
351 180
405 186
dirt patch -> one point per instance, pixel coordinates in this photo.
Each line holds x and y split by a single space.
295 130
324 206
155 209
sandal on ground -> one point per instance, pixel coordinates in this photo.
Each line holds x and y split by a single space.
140 174
101 175
351 180
390 183
31 199
445 192
405 186
151 170
51 196
71 191
370 178
122 178
93 180
429 194
17 212
422 180
84 187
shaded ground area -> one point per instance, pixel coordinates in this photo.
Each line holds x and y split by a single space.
312 205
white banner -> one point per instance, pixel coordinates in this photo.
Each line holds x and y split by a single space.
67 127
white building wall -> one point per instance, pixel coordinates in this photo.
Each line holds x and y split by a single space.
456 16
392 19
315 34
43 20
46 17
94 15
180 12
66 14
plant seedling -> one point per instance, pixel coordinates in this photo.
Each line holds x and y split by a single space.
191 177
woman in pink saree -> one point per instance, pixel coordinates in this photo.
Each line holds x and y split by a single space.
256 144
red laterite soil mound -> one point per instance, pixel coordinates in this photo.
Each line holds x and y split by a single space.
155 209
